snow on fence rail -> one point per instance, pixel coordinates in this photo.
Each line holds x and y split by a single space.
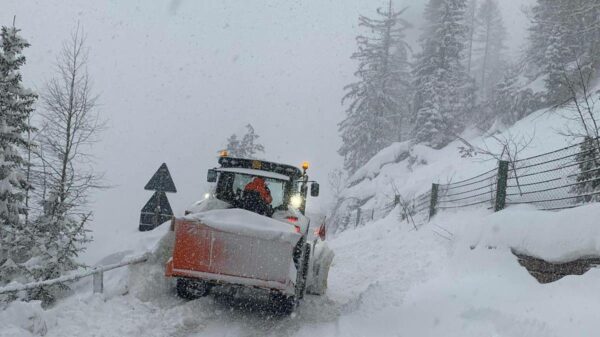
97 273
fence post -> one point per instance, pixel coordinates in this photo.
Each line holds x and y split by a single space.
500 201
434 199
98 282
357 217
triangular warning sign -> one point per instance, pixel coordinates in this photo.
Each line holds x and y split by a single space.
156 211
158 204
161 181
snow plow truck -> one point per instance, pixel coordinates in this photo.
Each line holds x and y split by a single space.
223 245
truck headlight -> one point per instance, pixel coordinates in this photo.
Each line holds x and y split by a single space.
296 201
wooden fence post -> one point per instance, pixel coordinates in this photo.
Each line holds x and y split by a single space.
434 199
357 217
501 185
98 282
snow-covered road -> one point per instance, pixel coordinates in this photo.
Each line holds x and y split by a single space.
386 280
139 302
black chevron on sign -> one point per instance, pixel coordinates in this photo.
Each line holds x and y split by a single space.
161 181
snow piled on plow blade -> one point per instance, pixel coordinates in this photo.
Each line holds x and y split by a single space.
242 222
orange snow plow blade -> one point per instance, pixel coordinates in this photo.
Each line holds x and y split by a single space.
205 253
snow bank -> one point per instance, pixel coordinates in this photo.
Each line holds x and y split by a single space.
248 223
21 319
553 236
392 154
456 276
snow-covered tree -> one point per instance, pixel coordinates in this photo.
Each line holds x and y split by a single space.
444 97
563 32
16 105
489 38
470 19
380 100
588 178
510 102
71 124
245 147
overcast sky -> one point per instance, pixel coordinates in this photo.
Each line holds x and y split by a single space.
176 78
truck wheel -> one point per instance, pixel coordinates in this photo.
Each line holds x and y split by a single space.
283 304
190 289
304 272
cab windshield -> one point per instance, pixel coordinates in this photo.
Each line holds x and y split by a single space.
232 184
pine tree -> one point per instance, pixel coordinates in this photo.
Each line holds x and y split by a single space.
380 100
589 171
563 32
61 238
556 66
247 147
445 93
470 16
504 104
490 37
16 105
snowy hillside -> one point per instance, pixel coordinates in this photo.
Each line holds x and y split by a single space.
410 170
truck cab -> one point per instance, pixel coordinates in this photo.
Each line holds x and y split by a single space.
288 186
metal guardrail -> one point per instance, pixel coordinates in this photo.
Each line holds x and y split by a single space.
96 272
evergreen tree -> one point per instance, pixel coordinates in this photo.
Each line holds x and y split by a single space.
510 102
470 16
504 104
589 171
563 32
61 237
16 105
490 37
445 92
247 146
380 100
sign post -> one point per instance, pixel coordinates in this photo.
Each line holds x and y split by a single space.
157 210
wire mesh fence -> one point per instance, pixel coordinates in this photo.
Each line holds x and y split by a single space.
556 180
479 190
422 203
361 216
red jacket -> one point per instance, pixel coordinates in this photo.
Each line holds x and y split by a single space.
258 185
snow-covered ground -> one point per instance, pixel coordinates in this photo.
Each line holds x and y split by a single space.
455 276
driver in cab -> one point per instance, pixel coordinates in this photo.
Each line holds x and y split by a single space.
257 197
